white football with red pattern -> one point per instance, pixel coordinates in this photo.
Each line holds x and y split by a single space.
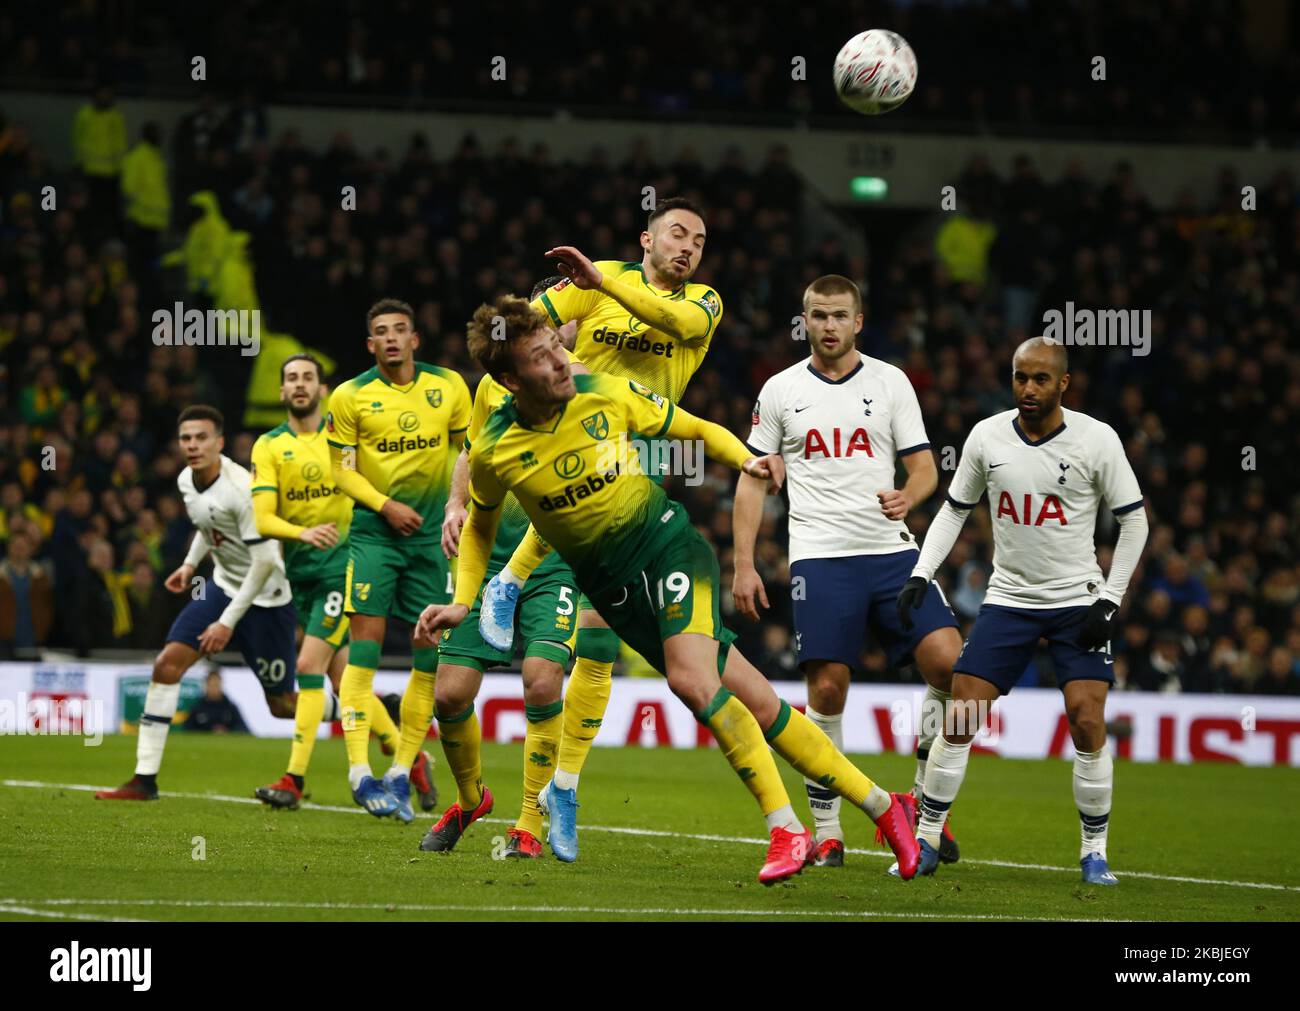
875 71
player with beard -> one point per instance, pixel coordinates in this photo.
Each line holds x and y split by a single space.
645 321
296 500
1049 469
842 421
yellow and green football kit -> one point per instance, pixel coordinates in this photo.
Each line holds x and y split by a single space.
547 616
633 551
636 555
402 441
394 442
293 489
660 346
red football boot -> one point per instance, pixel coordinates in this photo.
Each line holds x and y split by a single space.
453 823
283 793
897 828
422 780
830 853
787 854
522 845
132 789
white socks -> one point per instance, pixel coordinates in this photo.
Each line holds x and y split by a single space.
943 775
877 803
332 709
395 771
508 576
933 707
825 804
159 708
566 780
356 773
783 817
1094 781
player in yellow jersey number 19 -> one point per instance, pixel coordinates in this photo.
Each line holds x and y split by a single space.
560 447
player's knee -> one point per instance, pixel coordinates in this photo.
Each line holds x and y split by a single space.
544 685
1087 726
451 700
167 670
828 688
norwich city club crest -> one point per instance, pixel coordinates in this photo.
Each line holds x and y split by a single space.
434 397
361 591
597 425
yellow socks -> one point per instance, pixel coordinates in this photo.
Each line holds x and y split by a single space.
417 706
528 555
586 698
742 743
357 700
307 716
801 743
460 743
541 743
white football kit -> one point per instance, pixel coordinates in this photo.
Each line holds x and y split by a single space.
840 440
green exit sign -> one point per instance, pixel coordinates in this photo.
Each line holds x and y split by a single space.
869 188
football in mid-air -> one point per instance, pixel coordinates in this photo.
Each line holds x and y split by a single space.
875 71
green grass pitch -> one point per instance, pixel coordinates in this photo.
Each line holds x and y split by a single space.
1188 843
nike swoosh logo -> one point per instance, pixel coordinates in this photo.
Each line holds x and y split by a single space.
804 408
995 466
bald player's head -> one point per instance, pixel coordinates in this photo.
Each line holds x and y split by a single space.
1040 374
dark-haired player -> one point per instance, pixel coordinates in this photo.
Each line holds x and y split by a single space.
247 602
1046 471
394 432
296 501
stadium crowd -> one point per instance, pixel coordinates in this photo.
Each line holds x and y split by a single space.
90 522
639 57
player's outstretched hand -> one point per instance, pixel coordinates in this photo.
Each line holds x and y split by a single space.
452 521
910 598
436 617
1098 624
766 468
893 503
324 536
179 580
573 265
214 638
401 518
746 588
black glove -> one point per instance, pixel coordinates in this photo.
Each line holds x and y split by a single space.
909 599
1097 624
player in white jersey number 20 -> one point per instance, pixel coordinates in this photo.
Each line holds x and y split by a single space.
1046 470
841 421
247 603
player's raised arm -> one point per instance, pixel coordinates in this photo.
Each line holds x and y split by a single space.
723 446
682 320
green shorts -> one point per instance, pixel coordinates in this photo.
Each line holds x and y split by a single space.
678 591
546 622
319 603
399 579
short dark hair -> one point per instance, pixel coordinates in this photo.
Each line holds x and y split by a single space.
673 204
542 286
388 305
492 349
202 412
304 356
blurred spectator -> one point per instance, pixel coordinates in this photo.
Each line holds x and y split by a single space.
26 600
148 200
99 145
214 713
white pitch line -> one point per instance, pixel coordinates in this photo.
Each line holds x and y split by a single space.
7 906
698 837
657 911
